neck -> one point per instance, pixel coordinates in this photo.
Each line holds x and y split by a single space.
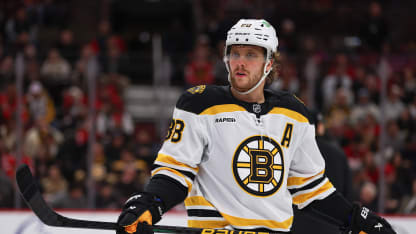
257 96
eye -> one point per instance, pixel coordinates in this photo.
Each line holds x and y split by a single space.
251 55
234 55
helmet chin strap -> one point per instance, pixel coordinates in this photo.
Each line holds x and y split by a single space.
265 73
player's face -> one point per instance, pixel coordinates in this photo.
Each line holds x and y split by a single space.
246 66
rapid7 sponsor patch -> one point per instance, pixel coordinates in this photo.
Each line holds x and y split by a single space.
225 120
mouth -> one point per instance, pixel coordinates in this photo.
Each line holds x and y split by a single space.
240 74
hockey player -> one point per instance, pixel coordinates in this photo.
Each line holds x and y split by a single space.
240 156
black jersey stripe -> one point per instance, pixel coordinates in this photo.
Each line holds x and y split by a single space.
188 174
309 186
203 213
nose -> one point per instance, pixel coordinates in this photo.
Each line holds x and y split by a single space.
240 62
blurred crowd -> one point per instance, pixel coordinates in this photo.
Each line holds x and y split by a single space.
337 68
55 110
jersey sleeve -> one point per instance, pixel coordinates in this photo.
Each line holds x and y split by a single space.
182 149
307 181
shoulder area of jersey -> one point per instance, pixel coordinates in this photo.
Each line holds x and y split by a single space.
284 97
287 100
199 98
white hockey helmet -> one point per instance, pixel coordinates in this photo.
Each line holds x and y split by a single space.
256 32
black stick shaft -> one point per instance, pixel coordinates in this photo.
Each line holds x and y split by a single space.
33 197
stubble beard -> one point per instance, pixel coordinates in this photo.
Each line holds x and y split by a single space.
247 85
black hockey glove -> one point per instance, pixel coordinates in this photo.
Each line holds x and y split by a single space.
365 221
137 211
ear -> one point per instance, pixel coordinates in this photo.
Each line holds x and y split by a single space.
269 65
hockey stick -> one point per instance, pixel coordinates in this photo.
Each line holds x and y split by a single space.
33 198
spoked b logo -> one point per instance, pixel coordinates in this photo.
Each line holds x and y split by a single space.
258 166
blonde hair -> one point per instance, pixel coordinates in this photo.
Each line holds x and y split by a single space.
274 73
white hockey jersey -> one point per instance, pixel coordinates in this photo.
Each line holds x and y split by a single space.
243 164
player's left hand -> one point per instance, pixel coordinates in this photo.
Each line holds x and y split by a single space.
365 221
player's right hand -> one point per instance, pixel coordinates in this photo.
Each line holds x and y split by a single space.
139 212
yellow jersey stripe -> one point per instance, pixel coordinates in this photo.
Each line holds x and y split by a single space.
243 222
170 160
291 181
197 201
236 221
289 113
176 173
207 223
217 109
306 196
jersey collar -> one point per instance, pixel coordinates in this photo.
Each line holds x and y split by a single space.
252 107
